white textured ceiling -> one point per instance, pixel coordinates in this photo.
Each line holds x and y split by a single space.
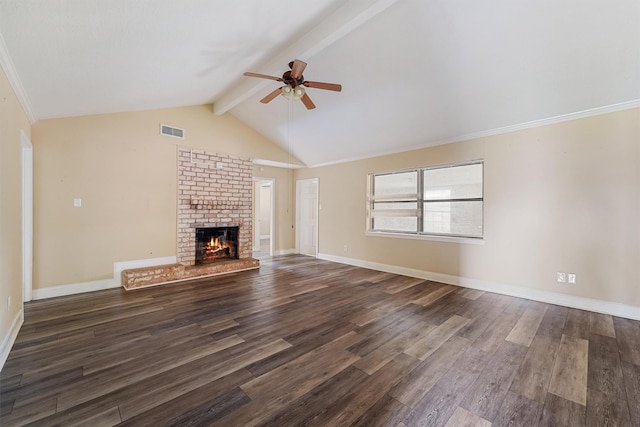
415 73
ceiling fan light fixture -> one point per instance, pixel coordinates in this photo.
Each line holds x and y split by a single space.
298 92
287 91
290 92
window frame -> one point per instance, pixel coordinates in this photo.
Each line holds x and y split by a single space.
420 203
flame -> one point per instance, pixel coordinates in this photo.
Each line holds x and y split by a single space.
216 248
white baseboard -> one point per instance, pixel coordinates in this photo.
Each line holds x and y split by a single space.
583 303
10 338
98 285
284 252
74 288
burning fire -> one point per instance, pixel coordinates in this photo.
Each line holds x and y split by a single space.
217 248
215 243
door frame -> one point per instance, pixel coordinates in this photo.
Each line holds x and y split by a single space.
271 182
298 182
27 216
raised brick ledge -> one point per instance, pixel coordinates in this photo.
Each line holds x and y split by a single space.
161 274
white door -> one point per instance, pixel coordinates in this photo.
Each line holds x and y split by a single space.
307 216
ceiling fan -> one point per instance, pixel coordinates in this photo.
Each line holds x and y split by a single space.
294 84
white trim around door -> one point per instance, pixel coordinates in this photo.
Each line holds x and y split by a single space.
27 216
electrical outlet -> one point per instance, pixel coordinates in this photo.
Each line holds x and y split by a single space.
561 277
8 303
571 278
345 248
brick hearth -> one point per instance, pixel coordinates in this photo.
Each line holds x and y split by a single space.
162 274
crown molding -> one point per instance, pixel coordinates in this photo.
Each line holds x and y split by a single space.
7 65
621 106
276 164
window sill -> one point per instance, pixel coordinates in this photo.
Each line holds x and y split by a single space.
446 239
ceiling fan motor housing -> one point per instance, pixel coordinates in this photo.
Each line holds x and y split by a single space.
288 79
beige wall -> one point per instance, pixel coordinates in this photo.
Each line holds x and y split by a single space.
125 173
563 197
12 121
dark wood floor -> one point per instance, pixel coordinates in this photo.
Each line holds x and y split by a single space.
309 342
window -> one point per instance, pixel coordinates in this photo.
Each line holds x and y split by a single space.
438 201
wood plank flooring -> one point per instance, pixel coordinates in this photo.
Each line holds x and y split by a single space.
308 342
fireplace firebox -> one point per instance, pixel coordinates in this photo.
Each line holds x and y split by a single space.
216 244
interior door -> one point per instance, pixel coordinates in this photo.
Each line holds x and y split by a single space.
307 216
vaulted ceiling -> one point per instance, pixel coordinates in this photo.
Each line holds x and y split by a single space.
415 73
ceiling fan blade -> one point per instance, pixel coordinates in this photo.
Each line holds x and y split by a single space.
307 102
297 68
263 76
271 96
326 86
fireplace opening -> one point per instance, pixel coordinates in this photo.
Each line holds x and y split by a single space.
215 244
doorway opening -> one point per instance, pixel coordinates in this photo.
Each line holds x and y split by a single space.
263 216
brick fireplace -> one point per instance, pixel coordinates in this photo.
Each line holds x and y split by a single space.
214 191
